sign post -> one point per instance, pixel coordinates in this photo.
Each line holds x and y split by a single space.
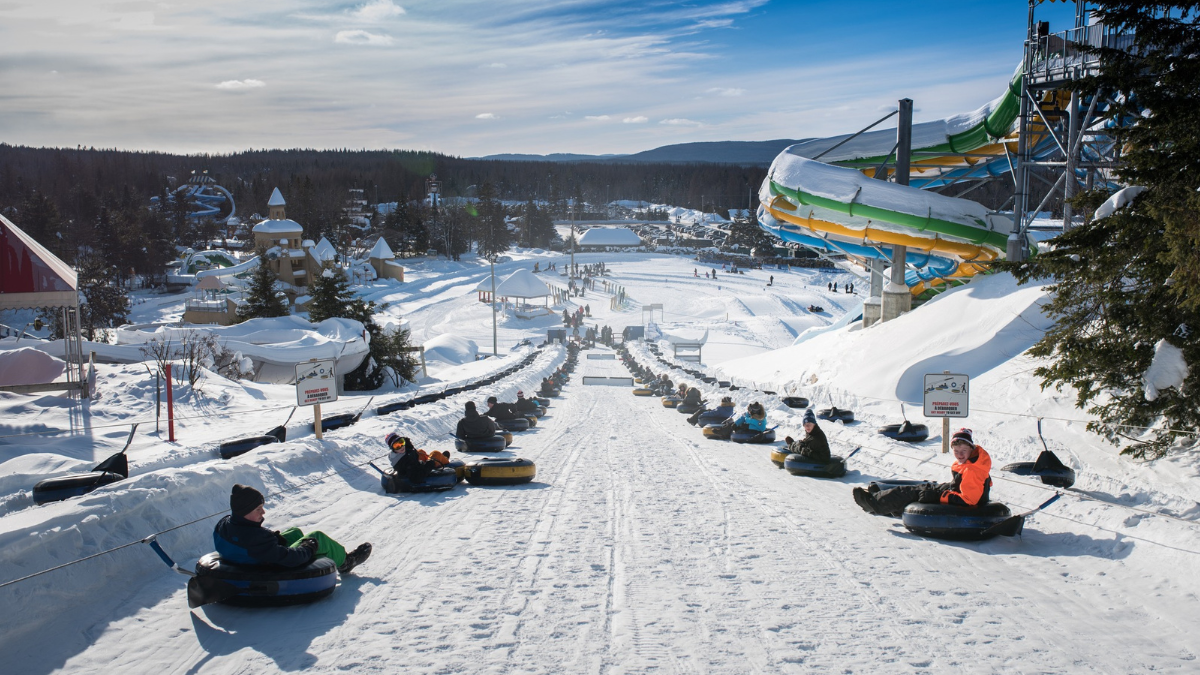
947 395
316 384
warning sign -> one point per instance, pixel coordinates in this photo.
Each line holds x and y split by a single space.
947 395
315 383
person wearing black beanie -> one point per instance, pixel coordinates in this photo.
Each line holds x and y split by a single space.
241 539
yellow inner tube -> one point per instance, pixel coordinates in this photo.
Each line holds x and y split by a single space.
778 455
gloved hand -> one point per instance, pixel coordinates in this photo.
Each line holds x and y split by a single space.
279 538
930 495
310 544
788 440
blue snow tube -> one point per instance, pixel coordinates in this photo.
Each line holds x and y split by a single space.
72 485
799 465
747 436
944 521
905 431
687 408
514 424
715 416
444 478
272 586
492 444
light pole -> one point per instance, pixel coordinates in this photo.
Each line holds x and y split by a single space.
492 261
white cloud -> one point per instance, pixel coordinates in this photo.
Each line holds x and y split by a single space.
486 116
362 37
640 119
598 118
378 10
497 66
680 122
721 91
240 85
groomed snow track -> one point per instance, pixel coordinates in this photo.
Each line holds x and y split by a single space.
641 547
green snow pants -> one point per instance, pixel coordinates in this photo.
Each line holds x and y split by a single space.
325 546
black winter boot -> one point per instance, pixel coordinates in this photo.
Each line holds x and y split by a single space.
864 500
355 558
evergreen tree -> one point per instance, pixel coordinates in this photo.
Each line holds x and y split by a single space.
261 298
104 305
332 297
491 230
1127 283
539 227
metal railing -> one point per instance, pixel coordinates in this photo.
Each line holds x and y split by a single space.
1061 56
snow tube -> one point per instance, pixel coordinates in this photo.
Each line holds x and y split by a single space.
506 435
231 449
1063 477
460 469
943 521
715 416
905 431
444 478
741 436
500 471
272 586
687 408
531 418
73 485
393 407
540 412
426 398
795 401
514 424
715 431
338 421
836 414
493 444
544 402
671 401
552 393
724 384
708 380
638 380
642 391
798 465
779 455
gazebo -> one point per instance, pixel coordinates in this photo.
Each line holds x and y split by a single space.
523 286
32 277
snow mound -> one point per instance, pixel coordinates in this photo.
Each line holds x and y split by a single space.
1167 369
450 350
27 365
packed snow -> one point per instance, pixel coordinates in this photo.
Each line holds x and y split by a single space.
640 546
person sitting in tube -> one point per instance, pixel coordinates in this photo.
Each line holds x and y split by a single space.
970 485
474 425
241 539
753 420
814 446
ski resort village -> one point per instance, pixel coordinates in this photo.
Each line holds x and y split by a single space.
467 338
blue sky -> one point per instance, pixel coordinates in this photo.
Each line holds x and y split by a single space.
476 77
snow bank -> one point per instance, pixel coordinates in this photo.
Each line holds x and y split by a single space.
26 365
450 350
1167 369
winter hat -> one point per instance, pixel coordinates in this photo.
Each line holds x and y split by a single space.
491 400
809 417
520 394
243 499
963 435
391 439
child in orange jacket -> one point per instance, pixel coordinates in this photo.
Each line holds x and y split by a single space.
970 486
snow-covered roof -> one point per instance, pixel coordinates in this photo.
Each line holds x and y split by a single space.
282 226
609 236
276 198
521 284
324 250
31 276
381 251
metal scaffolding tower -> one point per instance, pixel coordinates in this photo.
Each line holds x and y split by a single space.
1076 150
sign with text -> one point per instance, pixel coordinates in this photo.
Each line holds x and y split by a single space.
946 395
315 383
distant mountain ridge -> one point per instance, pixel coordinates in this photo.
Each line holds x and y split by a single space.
745 153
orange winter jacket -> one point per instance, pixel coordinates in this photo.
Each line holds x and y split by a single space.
972 480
